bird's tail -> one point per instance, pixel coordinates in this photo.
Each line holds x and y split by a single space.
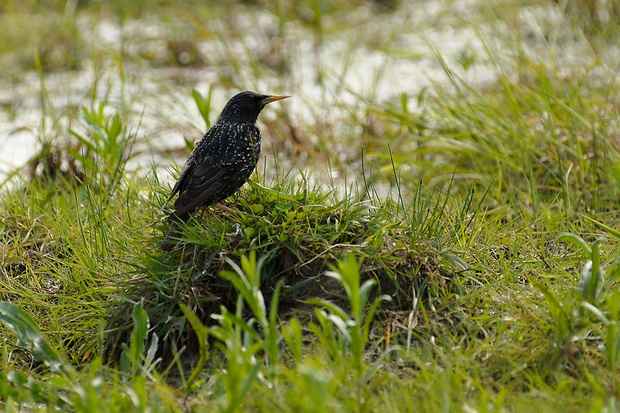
173 235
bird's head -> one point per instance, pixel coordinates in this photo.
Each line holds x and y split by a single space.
245 106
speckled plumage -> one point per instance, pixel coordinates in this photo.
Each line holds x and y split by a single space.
222 161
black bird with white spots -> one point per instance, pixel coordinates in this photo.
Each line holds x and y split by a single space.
222 160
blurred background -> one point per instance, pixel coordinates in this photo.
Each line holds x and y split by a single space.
365 76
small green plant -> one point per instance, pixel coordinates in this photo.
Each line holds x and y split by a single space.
592 285
594 317
353 327
137 359
248 344
105 147
70 388
256 347
30 338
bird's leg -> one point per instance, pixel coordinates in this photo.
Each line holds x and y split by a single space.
226 209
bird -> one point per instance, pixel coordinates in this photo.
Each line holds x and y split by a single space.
221 161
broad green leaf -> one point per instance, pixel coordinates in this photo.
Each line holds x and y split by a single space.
31 338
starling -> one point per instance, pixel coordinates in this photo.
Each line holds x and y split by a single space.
221 162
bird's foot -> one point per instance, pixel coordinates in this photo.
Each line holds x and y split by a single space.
226 209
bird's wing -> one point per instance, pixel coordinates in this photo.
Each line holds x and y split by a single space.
209 182
210 135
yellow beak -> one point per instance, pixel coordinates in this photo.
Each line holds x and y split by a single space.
273 98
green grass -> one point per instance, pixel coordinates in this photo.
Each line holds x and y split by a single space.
454 249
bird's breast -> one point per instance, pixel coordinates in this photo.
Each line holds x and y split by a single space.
247 144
